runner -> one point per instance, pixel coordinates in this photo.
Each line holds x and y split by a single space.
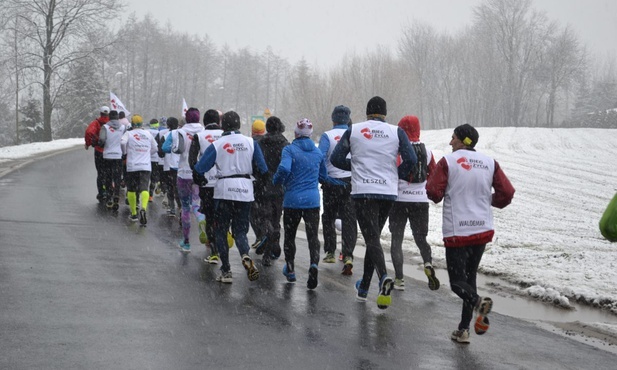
337 202
110 139
234 156
170 169
302 168
412 204
374 145
180 143
138 146
91 138
270 199
465 179
211 132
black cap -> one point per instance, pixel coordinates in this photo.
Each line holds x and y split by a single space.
376 106
211 116
231 121
467 134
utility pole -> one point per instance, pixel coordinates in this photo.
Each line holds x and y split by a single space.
16 88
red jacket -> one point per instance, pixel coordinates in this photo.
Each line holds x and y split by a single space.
92 132
436 189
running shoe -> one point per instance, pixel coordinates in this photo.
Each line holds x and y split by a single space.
115 206
384 299
165 203
266 260
290 275
399 284
203 237
460 336
484 306
348 266
260 245
312 280
142 217
481 325
225 277
250 268
429 271
109 204
133 218
185 246
101 198
329 258
212 259
361 294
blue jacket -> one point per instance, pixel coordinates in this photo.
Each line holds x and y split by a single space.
301 169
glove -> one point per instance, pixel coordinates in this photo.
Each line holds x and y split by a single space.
199 180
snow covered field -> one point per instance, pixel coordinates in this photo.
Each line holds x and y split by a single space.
547 241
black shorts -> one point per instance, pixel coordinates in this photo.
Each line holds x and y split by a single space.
137 181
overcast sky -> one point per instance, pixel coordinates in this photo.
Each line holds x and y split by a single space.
322 31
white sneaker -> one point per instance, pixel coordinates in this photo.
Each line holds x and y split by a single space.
399 284
225 277
460 336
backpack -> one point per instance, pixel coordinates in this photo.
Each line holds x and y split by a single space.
418 172
608 222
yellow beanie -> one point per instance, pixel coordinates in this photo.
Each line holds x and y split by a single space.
259 127
136 120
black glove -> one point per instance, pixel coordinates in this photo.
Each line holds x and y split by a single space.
199 180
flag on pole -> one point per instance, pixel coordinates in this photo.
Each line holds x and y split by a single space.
184 107
117 105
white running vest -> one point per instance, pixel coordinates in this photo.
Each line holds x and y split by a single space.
139 144
414 192
187 131
334 136
206 138
467 201
113 149
155 156
374 148
171 159
234 156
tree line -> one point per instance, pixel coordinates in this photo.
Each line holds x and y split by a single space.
511 66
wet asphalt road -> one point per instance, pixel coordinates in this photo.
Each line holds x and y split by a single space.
81 288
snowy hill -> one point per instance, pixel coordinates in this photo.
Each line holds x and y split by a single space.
547 241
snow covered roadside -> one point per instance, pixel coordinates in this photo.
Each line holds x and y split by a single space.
9 153
547 241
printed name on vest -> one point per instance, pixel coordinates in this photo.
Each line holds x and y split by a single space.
375 181
471 223
238 190
413 192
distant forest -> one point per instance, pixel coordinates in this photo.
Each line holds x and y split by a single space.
512 66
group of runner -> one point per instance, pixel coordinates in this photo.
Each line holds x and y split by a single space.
370 172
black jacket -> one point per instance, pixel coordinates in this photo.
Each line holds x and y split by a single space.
271 144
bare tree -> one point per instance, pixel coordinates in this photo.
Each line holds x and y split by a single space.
514 29
55 26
